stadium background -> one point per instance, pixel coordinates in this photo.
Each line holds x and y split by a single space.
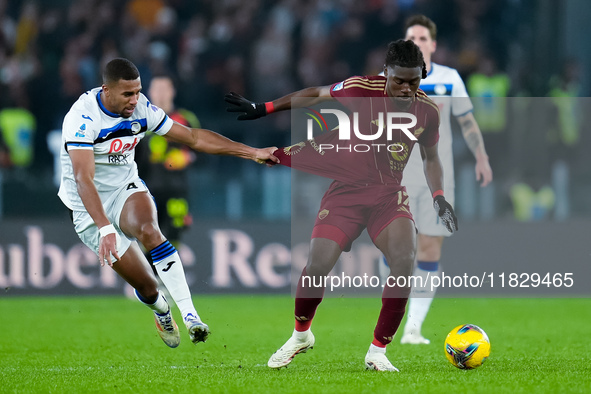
241 241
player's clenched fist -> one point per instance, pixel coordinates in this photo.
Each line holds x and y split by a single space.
446 213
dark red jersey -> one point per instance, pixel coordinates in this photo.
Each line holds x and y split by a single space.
367 160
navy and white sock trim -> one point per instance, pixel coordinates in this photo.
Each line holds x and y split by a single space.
142 299
162 251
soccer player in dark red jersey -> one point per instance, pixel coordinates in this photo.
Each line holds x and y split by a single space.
367 191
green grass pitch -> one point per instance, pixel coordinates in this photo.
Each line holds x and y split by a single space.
109 344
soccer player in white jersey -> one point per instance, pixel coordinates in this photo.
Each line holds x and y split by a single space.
445 86
112 207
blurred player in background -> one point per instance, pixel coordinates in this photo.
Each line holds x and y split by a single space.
164 164
366 192
445 86
111 206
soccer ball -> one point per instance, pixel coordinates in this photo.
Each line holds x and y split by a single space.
467 346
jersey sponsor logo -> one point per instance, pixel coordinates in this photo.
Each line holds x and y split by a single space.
131 186
323 214
117 146
87 117
119 160
168 266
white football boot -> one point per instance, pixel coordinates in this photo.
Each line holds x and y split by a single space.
198 331
283 356
378 361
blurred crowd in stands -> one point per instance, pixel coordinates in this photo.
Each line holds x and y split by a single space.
52 51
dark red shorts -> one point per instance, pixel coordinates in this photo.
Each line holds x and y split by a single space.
346 210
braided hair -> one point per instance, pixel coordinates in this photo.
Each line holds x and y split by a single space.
405 54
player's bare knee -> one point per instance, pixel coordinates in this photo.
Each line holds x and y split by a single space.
150 235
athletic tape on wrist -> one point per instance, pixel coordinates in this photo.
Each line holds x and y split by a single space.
438 193
269 107
106 230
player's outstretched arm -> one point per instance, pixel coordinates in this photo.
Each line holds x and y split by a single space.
249 110
83 167
208 141
475 142
434 175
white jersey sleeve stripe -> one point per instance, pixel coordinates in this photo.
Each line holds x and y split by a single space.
74 145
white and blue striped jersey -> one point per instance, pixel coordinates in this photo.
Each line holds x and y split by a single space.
446 88
112 138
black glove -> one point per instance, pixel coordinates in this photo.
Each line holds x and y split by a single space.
446 213
249 109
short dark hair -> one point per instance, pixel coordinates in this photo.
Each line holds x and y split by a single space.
405 54
424 21
120 68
